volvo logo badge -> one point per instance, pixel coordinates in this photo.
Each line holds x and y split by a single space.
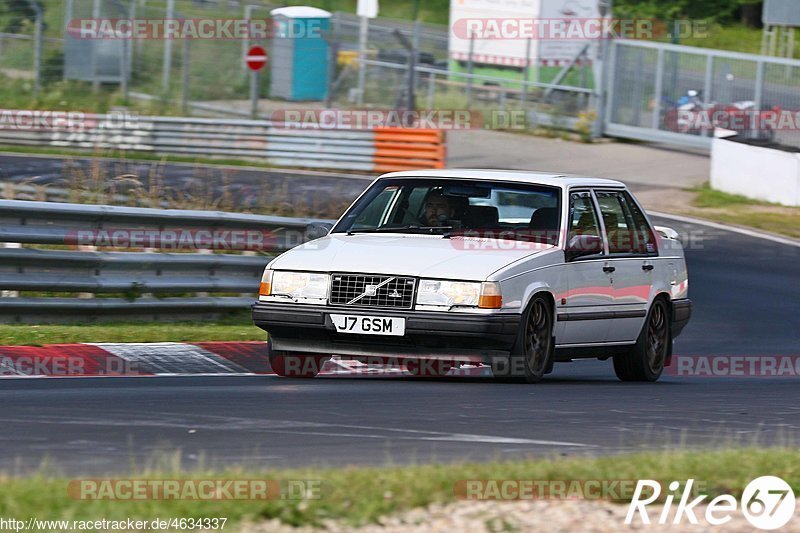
370 290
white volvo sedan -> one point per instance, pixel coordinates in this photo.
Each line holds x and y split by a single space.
517 270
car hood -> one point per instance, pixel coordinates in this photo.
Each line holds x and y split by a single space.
415 255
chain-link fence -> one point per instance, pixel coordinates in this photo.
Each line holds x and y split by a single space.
655 92
492 101
658 90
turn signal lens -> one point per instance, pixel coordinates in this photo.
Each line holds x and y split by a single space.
265 289
490 297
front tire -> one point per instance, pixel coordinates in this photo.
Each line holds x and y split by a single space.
645 361
533 351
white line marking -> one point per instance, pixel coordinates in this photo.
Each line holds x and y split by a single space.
734 229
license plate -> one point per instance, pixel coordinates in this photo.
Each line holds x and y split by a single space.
369 325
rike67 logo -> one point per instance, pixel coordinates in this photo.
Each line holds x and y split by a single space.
768 503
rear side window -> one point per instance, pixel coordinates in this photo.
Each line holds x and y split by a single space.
644 239
627 229
583 219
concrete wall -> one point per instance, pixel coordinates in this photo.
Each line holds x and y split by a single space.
756 172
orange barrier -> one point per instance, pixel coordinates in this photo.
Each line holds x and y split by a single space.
408 149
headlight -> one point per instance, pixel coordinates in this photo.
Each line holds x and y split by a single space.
297 285
461 293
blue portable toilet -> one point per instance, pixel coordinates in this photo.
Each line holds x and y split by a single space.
299 53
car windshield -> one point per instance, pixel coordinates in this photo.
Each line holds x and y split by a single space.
456 207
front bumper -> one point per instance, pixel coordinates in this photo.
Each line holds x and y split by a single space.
681 313
303 328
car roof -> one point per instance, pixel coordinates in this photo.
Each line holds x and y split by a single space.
519 176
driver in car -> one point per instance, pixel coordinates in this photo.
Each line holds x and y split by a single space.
438 209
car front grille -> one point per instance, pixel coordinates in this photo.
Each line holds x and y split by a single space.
366 290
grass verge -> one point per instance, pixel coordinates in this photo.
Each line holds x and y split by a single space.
238 328
740 210
362 495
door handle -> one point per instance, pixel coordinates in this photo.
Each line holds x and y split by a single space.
648 267
609 269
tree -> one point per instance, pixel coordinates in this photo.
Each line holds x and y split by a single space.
716 10
14 13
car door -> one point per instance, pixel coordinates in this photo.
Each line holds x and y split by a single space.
585 310
631 246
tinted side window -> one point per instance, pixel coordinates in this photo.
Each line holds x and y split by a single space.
582 216
616 223
627 232
643 238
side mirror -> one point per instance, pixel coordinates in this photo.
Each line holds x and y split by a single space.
581 245
316 230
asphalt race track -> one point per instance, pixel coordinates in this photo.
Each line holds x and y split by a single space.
747 300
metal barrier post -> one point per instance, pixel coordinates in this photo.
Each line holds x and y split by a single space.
526 72
707 87
362 56
656 120
255 82
470 68
431 89
185 81
37 49
167 67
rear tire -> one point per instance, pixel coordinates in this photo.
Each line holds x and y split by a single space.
645 360
533 351
293 365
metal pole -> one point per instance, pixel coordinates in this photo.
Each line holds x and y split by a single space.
68 7
123 68
470 66
602 71
37 49
707 87
606 94
431 89
759 96
412 67
255 81
95 15
656 121
67 13
186 70
526 72
167 51
248 14
132 15
362 56
333 56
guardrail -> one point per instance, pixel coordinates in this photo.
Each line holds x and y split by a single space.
306 145
82 273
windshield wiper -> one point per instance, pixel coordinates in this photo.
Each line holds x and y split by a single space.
401 229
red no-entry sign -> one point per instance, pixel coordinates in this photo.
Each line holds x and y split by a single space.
256 58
